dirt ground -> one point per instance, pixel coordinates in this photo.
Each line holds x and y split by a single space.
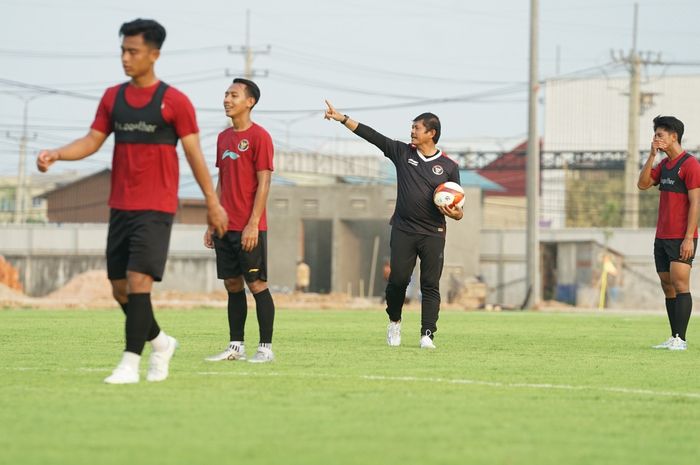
92 290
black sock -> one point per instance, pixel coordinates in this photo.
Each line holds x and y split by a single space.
265 308
671 312
155 329
684 307
237 313
139 318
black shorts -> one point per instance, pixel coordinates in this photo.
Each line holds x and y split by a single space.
138 241
669 250
232 261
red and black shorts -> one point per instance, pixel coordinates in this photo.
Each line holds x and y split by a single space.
232 261
138 241
669 250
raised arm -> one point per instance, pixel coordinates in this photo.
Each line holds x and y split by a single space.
76 150
645 179
383 143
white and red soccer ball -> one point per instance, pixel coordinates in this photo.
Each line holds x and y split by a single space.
449 194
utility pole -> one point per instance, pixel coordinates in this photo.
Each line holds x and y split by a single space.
634 62
248 53
533 168
21 191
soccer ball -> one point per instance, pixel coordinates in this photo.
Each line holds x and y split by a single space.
449 194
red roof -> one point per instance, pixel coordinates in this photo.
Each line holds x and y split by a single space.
509 171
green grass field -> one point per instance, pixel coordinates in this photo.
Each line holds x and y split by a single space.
508 388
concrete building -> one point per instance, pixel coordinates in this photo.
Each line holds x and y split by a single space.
341 231
35 205
84 200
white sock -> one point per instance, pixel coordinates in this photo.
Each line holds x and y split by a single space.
131 360
238 344
266 345
161 342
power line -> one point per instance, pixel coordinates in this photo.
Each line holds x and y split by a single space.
420 102
25 53
296 57
47 90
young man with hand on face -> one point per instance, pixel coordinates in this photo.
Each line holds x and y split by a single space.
678 178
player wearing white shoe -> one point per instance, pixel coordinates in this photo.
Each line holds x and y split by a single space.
148 117
678 178
244 158
418 227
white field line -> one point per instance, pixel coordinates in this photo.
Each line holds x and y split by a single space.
497 384
411 379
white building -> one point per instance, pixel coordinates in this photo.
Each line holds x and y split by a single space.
591 115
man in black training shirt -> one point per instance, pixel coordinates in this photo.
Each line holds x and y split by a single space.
418 226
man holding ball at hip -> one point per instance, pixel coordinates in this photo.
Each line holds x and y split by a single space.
418 225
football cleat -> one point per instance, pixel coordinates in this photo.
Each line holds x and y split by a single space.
665 344
393 333
123 374
426 342
263 355
678 344
159 362
234 351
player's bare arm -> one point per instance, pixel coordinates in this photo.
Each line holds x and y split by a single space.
208 241
216 215
76 150
688 245
333 114
249 236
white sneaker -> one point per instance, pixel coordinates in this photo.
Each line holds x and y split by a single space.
678 344
665 344
393 333
159 362
123 374
263 355
232 352
426 342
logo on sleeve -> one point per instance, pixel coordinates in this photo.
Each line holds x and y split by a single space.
437 169
229 154
413 162
243 145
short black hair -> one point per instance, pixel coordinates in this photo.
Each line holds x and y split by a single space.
153 32
670 124
431 122
251 88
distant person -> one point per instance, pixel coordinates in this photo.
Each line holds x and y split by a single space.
147 117
418 226
678 178
386 272
303 277
244 158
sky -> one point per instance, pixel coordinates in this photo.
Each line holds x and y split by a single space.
381 62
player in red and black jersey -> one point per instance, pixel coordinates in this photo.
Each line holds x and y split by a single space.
147 117
678 178
244 157
418 226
